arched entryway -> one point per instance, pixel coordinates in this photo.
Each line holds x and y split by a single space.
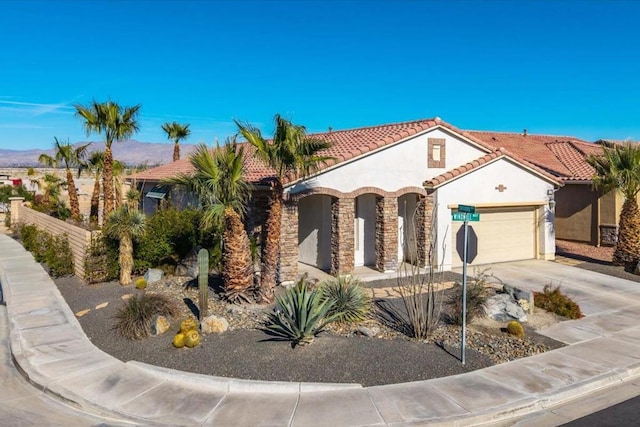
407 232
314 231
365 230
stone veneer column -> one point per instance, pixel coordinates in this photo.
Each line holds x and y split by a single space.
288 271
386 234
16 202
342 243
425 230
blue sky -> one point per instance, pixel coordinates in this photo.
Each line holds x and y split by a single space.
556 67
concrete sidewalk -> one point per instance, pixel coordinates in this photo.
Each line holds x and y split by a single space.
50 348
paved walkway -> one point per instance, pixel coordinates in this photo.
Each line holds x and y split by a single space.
50 348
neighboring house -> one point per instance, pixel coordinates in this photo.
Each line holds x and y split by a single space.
389 197
581 213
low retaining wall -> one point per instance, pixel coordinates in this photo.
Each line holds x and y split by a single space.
79 238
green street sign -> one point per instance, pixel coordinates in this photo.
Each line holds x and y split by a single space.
466 209
460 216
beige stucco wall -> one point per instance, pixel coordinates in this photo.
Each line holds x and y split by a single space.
577 213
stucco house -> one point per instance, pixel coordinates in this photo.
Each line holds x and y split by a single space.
389 196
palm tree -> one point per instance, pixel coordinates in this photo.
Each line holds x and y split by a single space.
95 164
619 168
69 157
52 186
125 225
223 192
291 154
116 123
119 169
176 132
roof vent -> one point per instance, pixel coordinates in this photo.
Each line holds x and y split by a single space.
524 132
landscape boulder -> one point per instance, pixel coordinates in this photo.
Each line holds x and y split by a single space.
503 308
160 325
153 275
214 325
189 265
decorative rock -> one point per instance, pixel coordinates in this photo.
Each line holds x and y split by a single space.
103 305
214 325
126 296
189 265
502 308
82 312
153 275
369 332
160 325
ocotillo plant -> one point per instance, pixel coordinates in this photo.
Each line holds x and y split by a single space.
203 281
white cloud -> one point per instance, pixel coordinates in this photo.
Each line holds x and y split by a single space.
34 109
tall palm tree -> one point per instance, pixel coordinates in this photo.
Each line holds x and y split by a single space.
619 168
291 154
224 193
119 169
95 165
69 157
124 225
176 132
115 123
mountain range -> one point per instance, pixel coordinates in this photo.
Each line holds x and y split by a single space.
131 152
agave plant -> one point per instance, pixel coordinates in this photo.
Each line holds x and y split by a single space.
301 314
351 303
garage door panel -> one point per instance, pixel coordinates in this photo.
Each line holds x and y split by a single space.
500 235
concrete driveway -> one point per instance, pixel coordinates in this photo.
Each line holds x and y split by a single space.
608 303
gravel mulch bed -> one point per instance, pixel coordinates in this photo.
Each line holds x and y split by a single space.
341 354
593 258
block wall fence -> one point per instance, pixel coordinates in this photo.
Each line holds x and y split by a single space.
79 238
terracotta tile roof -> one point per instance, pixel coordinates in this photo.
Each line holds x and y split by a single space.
347 144
458 172
563 156
352 143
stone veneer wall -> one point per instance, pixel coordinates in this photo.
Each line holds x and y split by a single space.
425 229
288 270
79 238
342 235
386 233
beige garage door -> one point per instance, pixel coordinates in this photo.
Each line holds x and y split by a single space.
505 234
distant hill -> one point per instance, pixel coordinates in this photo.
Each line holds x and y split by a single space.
131 152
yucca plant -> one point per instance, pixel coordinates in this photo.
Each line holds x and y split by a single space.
351 303
301 314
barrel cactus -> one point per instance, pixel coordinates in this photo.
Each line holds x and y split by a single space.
188 324
192 338
515 328
179 340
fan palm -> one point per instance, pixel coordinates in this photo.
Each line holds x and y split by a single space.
291 154
115 123
619 168
52 186
176 132
124 225
95 165
69 157
224 193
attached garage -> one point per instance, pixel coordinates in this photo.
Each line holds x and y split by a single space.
502 234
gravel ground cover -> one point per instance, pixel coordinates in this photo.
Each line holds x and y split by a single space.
593 258
339 355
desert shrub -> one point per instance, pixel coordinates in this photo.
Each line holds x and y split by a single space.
477 296
28 235
351 303
169 236
101 260
54 251
515 328
300 315
58 256
553 300
134 318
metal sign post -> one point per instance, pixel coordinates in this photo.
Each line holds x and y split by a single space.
465 213
464 293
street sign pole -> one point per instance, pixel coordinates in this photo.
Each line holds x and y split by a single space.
464 293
